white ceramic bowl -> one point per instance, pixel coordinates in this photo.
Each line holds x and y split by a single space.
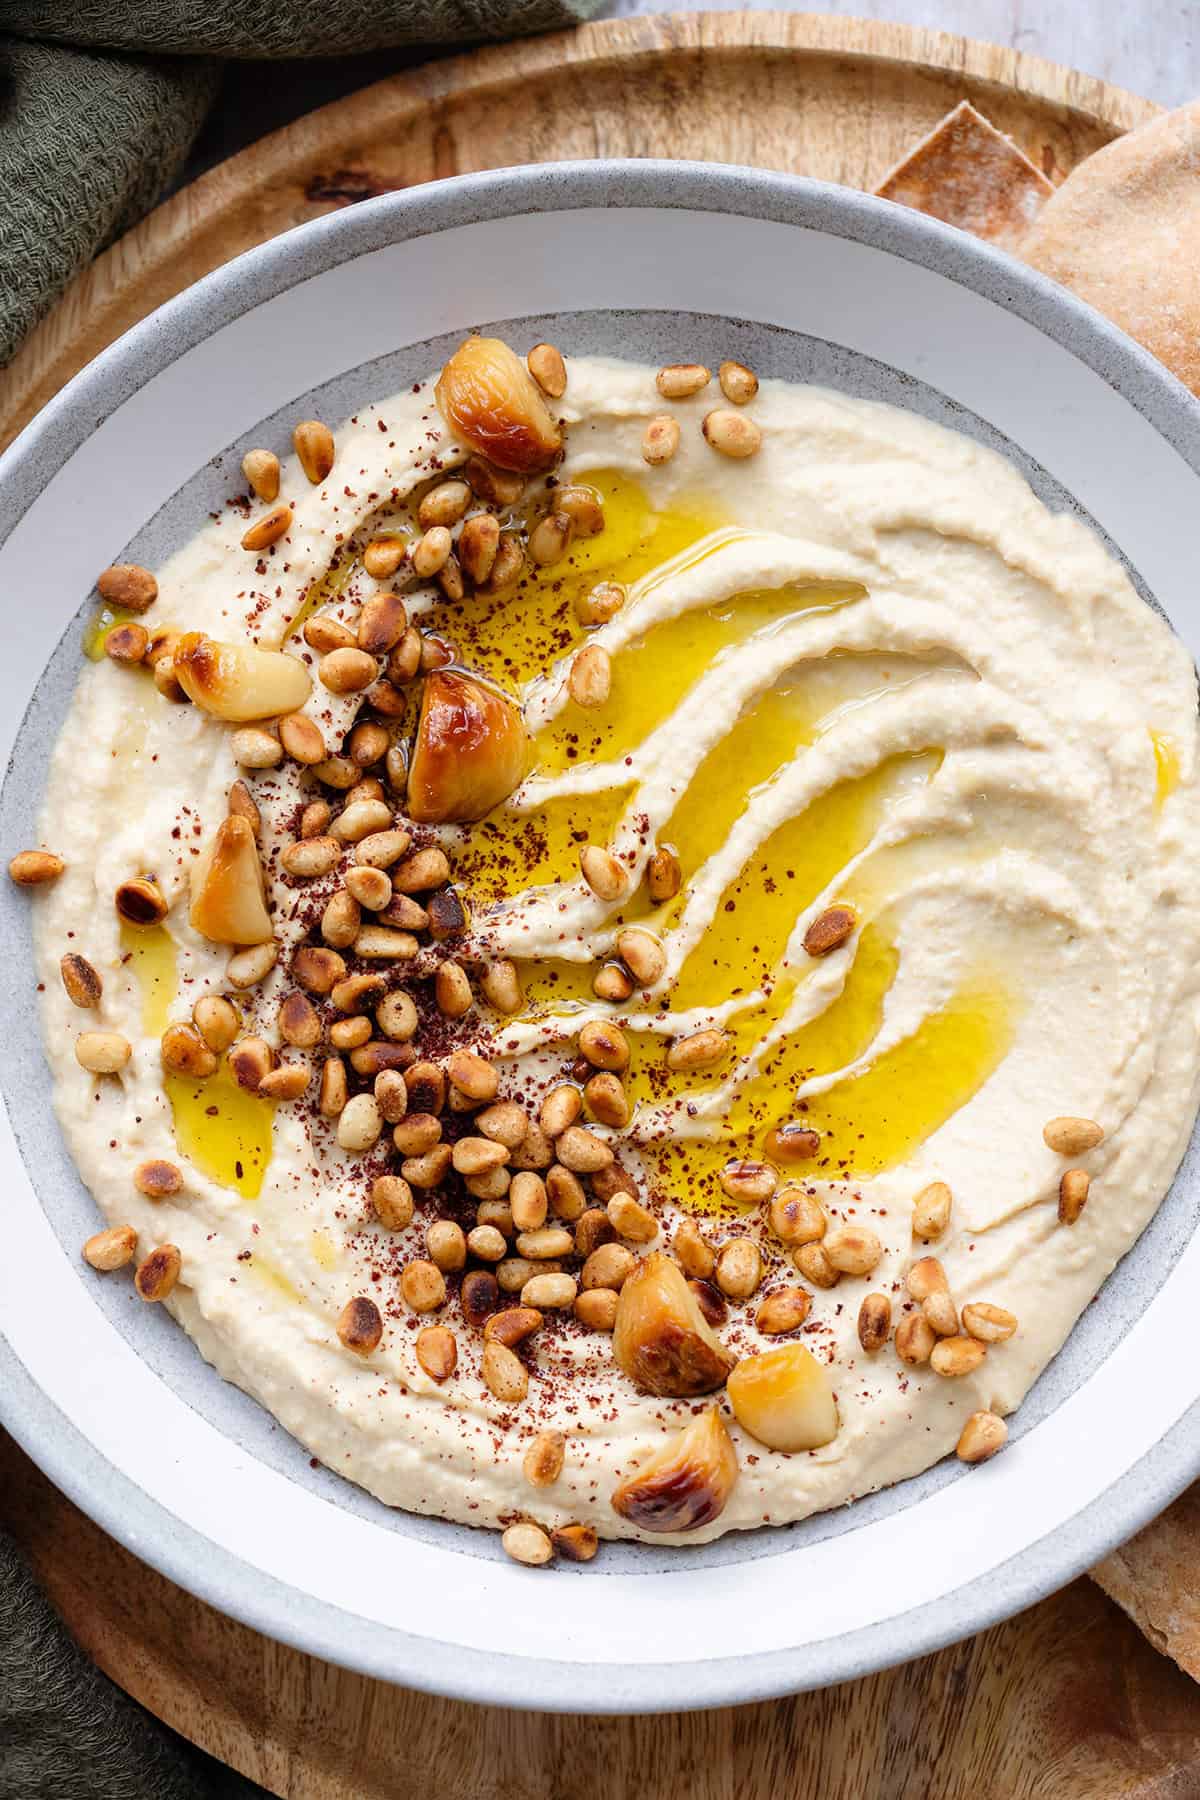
656 261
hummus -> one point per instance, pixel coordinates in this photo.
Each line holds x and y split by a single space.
862 669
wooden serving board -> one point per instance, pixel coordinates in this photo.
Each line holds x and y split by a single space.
1069 1700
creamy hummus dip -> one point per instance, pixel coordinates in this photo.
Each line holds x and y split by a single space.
860 689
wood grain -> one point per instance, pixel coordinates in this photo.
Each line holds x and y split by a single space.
839 99
1068 1700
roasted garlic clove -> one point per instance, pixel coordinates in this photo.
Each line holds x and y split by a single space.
228 896
684 1485
471 750
783 1399
662 1340
492 404
239 682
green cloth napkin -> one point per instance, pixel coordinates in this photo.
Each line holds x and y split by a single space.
101 100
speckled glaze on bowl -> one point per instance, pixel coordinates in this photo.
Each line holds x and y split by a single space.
656 261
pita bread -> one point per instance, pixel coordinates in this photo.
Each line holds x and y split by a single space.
968 174
1156 1578
1123 231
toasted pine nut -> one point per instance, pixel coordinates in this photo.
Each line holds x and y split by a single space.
748 1181
527 1199
446 1245
643 955
582 1151
601 603
693 1251
242 806
551 1292
578 1543
660 440
249 1060
452 991
602 872
382 849
369 742
33 868
525 1542
416 1132
543 1461
535 1150
310 856
1071 1137
352 1034
505 1377
632 1220
739 1268
487 1243
782 1310
564 1191
983 1434
931 1211
926 1277
874 1322
990 1324
815 1266
383 557
368 887
589 681
953 1356
479 1297
360 1124
507 564
914 1339
582 506
268 528
548 369
702 1050
313 444
362 819
738 383
347 671
792 1143
322 633
942 1314
102 1052
261 469
560 1108
604 1045
797 1217
426 1087
472 1076
358 993
501 987
334 1088
301 739
127 585
732 433
127 644
515 1323
679 381
287 1081
829 929
157 1274
550 539
83 985
422 1286
545 1244
392 1202
405 660
396 1016
444 504
157 1179
360 1325
254 747
429 1170
111 1249
505 1122
246 968
216 1019
338 772
341 920
1073 1191
596 1308
476 1155
663 875
423 870
607 1100
478 543
436 1351
140 902
391 1092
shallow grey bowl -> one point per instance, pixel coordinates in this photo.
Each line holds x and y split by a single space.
655 261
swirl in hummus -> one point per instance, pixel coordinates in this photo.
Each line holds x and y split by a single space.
889 772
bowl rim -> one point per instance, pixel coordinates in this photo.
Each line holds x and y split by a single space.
220 1578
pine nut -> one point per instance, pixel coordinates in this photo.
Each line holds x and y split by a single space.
437 1352
931 1211
351 1034
941 1313
487 1243
990 1324
216 1019
310 856
525 1542
578 1543
268 528
954 1356
158 1180
797 1217
914 1339
157 1274
607 1100
535 1150
501 987
565 1193
322 632
515 1323
874 1322
783 1310
596 1308
643 954
600 604
429 1170
738 383
83 985
550 539
422 1286
369 742
140 902
548 369
815 1266
479 1297
1072 1195
739 1268
360 1325
287 1081
604 1045
527 1198
242 806
663 875
1071 1137
301 739
452 991
829 930
246 968
543 1461
253 747
416 1133
249 1060
679 381
589 681
446 1245
423 870
360 1124
476 1155
299 1022
382 849
581 1151
102 1052
702 1050
347 671
426 1087
582 506
381 941
983 1434
127 644
111 1249
748 1182
368 887
792 1143
33 868
392 1202
334 1088
693 1252
383 557
391 1092
396 1016
602 872
341 920
261 469
550 1292
444 504
545 1244
560 1108
731 433
313 444
926 1277
505 1122
506 1378
660 440
127 585
358 993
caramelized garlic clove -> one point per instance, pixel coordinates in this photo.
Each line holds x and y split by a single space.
661 1339
783 1398
685 1484
228 895
239 682
471 750
492 404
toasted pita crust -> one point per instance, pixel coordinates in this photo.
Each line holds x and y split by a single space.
1156 1578
968 174
1123 231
